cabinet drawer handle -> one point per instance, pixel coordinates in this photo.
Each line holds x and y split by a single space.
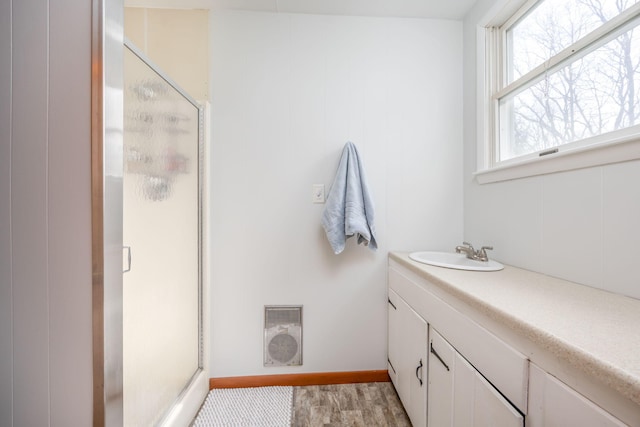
419 369
392 305
437 355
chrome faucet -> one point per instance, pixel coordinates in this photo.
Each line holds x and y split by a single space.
477 255
467 249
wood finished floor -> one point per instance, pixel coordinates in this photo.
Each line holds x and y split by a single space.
361 405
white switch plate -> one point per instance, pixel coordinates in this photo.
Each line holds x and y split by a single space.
317 194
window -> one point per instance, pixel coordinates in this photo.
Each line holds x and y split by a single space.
562 75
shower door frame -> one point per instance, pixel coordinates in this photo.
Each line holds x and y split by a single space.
107 151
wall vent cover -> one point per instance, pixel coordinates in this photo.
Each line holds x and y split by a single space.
282 335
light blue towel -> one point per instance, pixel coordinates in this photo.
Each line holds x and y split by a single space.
349 208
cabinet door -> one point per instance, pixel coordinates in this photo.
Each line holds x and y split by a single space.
477 403
441 380
553 404
464 386
392 337
491 409
407 356
459 396
414 370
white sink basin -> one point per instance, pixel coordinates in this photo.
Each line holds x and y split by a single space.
455 260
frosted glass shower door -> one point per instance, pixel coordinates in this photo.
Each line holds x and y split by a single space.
162 351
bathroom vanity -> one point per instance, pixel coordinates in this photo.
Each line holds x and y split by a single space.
510 348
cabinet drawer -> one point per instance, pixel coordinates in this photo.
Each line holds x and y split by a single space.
503 366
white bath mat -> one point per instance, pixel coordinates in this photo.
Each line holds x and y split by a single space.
247 407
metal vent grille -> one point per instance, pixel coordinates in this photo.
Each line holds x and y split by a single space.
282 335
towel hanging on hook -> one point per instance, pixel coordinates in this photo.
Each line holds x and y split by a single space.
349 208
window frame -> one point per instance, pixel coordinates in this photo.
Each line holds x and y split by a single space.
611 147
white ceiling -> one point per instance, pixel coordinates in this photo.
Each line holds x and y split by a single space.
439 9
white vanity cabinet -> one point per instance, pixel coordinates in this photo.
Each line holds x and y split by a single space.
459 396
413 313
478 372
434 382
407 357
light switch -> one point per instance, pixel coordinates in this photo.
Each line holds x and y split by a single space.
317 195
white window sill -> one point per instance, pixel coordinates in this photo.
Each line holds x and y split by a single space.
569 159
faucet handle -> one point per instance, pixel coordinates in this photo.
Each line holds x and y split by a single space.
468 244
481 254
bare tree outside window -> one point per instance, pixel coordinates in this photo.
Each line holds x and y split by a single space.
589 95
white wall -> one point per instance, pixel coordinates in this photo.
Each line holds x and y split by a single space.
177 41
580 226
287 92
45 229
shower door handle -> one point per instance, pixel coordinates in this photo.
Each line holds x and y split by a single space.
128 269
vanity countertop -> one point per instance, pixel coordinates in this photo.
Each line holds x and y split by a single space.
596 331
